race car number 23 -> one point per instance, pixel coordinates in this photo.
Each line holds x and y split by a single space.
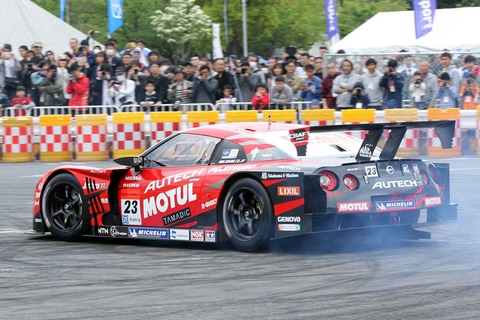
131 212
371 171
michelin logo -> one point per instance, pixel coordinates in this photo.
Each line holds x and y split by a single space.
394 205
147 233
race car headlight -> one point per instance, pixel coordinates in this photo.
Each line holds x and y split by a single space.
350 181
328 180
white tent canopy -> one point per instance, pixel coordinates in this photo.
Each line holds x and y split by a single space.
23 22
453 29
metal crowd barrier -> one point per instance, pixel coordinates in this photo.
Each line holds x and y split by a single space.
59 110
185 107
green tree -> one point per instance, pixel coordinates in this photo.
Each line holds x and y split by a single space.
468 3
271 24
354 13
92 15
180 24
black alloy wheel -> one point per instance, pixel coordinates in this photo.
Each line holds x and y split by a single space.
64 208
247 215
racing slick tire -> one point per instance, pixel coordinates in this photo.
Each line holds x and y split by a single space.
247 215
64 208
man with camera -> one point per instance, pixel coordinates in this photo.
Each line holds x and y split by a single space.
204 87
343 85
392 82
51 88
254 67
446 93
471 67
9 71
247 82
79 87
122 90
360 99
417 89
223 77
469 92
446 60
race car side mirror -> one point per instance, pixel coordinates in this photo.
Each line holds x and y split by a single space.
132 162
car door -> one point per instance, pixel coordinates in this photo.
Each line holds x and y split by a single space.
165 191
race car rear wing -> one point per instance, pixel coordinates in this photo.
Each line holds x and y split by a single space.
444 129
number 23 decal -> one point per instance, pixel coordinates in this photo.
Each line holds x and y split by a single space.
371 171
130 206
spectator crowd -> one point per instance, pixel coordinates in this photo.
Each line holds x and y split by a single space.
138 76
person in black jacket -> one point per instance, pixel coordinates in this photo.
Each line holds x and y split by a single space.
160 81
99 85
360 99
223 78
393 84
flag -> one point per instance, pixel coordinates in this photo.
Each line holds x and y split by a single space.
115 15
217 47
332 21
424 12
62 10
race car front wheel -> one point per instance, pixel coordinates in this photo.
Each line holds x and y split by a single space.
64 208
247 215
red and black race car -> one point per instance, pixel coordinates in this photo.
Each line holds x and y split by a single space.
248 183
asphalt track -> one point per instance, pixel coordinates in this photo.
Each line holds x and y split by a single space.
311 278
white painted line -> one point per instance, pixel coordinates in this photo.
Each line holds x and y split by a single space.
13 231
464 169
32 176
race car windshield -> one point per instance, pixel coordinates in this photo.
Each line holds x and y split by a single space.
183 150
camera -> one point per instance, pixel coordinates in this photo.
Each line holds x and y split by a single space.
80 50
391 69
444 83
418 81
104 73
135 71
71 77
469 81
244 70
358 91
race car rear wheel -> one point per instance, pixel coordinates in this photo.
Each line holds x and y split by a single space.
64 208
247 215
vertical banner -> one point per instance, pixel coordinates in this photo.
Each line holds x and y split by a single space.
115 15
332 21
424 11
62 10
216 44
